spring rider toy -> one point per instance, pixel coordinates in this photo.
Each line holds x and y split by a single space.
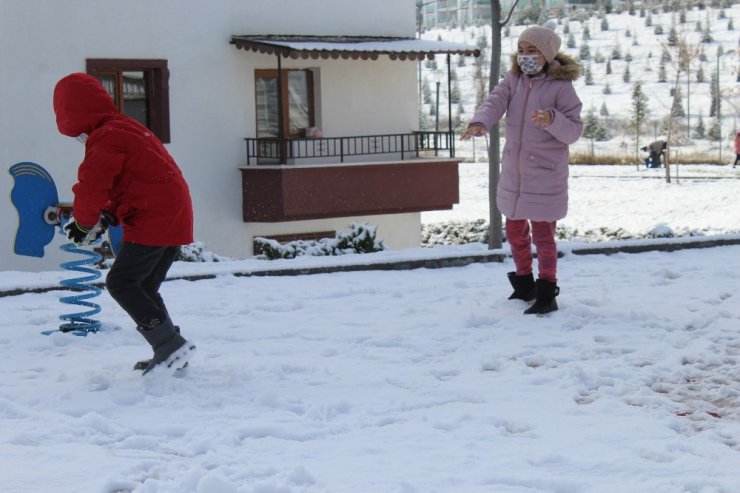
40 216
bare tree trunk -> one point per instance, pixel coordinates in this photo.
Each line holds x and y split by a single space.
495 226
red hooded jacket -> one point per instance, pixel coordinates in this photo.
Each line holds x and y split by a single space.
126 169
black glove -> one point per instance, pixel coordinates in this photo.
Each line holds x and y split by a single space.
108 219
76 232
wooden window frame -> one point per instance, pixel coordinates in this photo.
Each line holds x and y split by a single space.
284 99
157 88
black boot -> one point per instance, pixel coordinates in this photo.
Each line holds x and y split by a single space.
170 348
523 286
143 364
545 302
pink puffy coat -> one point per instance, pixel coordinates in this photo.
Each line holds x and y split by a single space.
534 163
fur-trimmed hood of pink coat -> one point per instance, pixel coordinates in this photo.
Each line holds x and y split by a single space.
534 163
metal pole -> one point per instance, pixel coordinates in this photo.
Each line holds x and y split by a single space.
719 115
449 109
436 110
436 123
281 134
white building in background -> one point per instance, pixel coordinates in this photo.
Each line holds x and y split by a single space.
290 119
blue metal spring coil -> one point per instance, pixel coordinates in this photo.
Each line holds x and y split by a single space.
80 323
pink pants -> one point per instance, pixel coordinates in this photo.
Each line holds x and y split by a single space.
543 237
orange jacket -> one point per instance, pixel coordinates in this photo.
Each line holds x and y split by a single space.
126 169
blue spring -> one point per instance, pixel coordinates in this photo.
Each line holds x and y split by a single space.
80 323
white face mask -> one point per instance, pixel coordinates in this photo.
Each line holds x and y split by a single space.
82 138
529 64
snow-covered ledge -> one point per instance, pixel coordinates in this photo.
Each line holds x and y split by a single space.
276 193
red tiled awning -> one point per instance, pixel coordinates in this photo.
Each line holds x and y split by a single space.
350 47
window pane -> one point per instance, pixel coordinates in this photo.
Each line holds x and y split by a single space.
299 104
267 107
109 82
134 97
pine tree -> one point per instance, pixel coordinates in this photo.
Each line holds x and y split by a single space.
699 131
658 29
586 33
649 20
672 36
571 43
715 132
604 24
700 74
626 76
662 76
608 67
426 92
590 124
604 111
589 76
607 89
665 56
639 111
455 93
616 52
677 107
730 25
585 52
714 93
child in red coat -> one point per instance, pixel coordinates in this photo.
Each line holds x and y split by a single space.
128 177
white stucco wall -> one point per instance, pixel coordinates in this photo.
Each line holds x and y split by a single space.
211 89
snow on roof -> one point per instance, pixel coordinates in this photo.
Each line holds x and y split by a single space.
363 47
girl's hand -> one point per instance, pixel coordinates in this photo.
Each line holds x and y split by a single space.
474 130
542 118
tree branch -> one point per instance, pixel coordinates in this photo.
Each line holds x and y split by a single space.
508 17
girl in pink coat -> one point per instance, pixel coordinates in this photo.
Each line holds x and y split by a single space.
543 117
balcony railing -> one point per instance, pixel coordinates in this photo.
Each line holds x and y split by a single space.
284 151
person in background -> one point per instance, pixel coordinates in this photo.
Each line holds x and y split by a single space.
128 177
543 117
737 148
656 150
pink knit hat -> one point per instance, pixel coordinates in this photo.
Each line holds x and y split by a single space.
544 39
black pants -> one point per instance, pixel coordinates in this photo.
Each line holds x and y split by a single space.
134 281
737 159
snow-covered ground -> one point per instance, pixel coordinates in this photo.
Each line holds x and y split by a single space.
405 381
701 199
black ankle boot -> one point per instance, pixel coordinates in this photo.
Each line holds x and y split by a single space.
523 286
170 348
144 364
545 302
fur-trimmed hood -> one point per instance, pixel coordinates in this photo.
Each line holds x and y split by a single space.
563 67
